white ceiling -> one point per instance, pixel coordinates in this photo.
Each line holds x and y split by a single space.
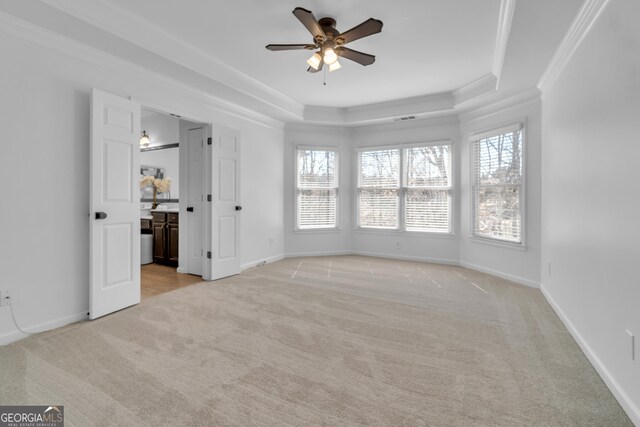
415 32
455 52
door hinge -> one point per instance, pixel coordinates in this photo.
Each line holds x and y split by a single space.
208 197
209 141
209 254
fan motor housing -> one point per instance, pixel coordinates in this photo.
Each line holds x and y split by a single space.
328 25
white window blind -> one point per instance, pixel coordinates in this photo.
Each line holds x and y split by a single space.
428 188
378 184
405 189
498 185
317 189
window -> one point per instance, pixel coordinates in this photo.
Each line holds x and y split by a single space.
317 189
497 185
405 189
379 182
428 189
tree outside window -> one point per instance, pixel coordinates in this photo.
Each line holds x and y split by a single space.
497 186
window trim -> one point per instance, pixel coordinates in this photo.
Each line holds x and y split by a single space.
402 189
301 147
519 124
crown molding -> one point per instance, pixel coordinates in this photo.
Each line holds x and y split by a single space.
530 95
483 86
381 111
418 123
118 21
242 95
312 128
122 23
320 114
507 8
586 17
414 106
36 35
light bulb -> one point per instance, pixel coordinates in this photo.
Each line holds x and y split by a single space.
330 56
335 66
144 139
314 61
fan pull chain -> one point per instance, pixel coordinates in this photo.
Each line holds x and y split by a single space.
324 70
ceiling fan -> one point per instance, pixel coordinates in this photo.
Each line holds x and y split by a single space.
329 42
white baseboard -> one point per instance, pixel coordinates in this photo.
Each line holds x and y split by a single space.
632 410
408 258
262 261
42 327
310 254
511 277
373 254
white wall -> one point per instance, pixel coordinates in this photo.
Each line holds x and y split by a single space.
591 198
520 264
417 246
44 165
309 242
262 197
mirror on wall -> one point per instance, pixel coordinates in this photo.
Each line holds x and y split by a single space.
160 158
153 171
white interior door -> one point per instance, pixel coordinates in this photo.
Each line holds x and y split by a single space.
224 180
195 200
115 204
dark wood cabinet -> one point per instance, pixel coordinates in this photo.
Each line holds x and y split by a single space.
165 238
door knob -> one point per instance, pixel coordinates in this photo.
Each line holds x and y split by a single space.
101 215
238 208
190 209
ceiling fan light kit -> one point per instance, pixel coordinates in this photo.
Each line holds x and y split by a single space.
328 43
329 56
314 61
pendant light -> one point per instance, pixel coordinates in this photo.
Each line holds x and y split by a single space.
144 140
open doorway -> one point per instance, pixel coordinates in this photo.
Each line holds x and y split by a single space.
171 202
115 212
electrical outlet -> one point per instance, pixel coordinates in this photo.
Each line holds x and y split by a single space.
271 240
5 298
398 245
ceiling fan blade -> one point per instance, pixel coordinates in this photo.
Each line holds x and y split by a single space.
312 70
310 22
354 55
367 28
276 47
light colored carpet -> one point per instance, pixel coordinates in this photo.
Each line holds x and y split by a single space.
319 341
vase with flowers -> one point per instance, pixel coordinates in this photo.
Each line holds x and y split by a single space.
159 185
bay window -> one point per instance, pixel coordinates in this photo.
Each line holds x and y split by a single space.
406 189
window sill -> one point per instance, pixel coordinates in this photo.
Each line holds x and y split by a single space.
405 233
498 243
317 230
